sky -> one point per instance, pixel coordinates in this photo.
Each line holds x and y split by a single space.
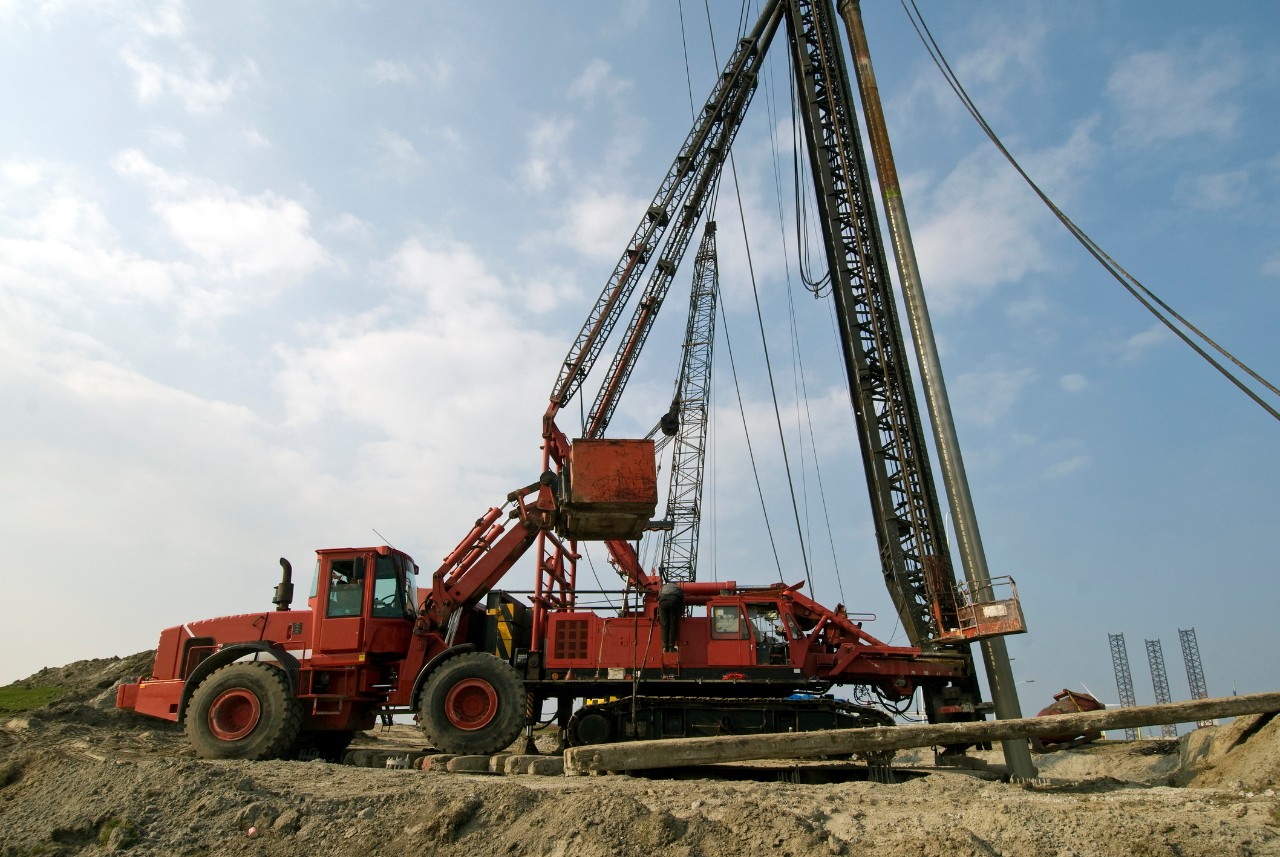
280 277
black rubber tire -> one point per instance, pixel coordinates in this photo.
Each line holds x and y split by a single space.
592 729
479 686
243 711
330 745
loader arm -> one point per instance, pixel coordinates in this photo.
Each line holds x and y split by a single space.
487 553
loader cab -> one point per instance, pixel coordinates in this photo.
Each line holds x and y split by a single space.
365 603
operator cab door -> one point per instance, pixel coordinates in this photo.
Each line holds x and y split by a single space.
367 605
392 608
770 634
729 644
341 604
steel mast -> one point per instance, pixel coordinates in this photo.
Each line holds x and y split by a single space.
1004 692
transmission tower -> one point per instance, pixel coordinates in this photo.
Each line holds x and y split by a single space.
1124 679
1160 681
1195 672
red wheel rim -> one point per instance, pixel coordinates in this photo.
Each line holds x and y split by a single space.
471 704
234 714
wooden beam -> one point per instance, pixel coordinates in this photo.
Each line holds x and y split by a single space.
678 752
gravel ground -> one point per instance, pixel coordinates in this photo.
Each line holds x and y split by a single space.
78 777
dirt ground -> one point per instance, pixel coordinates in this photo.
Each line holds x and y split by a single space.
78 777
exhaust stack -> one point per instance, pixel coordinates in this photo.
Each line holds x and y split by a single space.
284 590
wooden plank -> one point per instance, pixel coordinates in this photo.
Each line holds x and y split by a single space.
678 752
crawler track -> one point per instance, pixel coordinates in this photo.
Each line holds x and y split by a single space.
648 717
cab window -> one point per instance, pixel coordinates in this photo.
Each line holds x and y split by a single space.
766 621
726 623
346 587
410 586
391 597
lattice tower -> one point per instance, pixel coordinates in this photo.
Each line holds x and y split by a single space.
1195 671
1160 681
1124 679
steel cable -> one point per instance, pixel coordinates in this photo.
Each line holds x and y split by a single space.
1148 299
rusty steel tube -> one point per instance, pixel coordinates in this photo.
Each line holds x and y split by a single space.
995 654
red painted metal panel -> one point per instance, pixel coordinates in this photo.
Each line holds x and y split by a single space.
612 490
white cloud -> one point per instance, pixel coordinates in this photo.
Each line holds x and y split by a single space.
165 20
254 139
546 146
21 174
246 236
438 71
1068 466
982 226
1011 54
134 164
194 84
242 236
1215 191
985 397
1178 92
1004 53
1073 383
59 249
398 159
446 276
598 224
597 80
390 71
1140 343
552 289
430 373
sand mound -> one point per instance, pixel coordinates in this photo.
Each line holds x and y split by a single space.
77 784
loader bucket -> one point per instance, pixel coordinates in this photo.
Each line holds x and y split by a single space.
610 490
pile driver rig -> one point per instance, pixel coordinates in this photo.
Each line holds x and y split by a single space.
476 664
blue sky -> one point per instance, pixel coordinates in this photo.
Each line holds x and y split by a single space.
275 275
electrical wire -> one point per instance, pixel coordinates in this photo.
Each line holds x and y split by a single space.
1144 296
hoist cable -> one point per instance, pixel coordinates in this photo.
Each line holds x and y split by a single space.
802 392
728 341
822 494
813 285
742 218
1140 293
768 364
688 77
755 471
600 586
